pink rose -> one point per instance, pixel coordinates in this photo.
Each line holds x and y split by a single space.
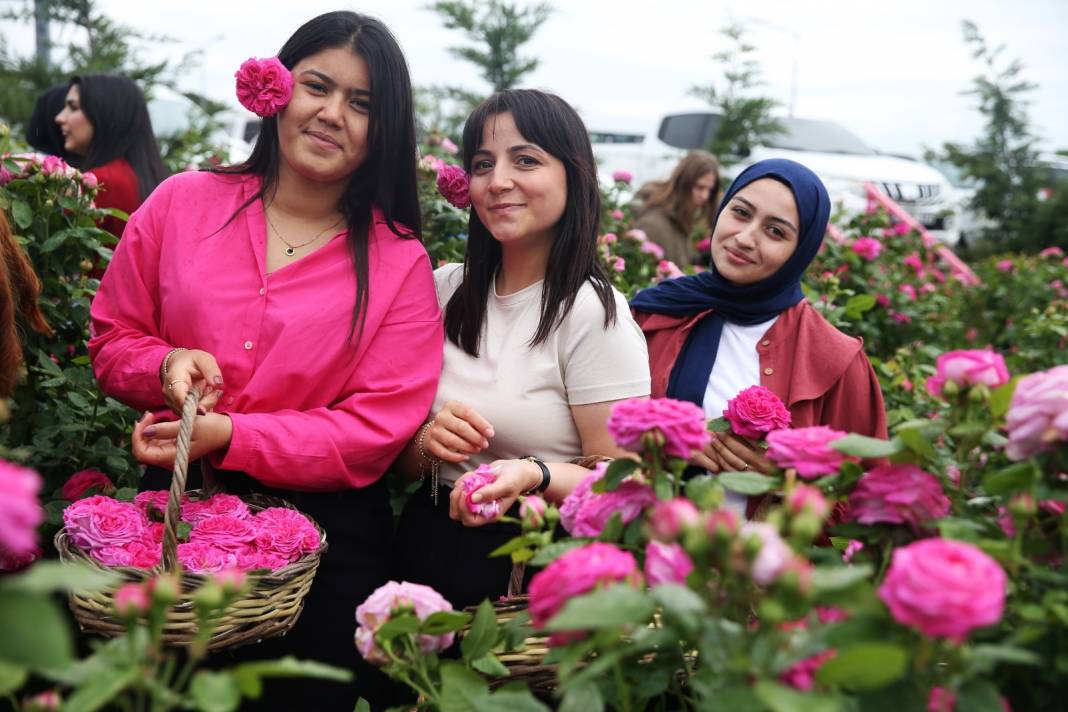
81 482
666 269
882 300
808 500
774 558
231 580
944 588
908 290
853 548
705 245
755 412
225 532
901 317
666 563
264 86
89 180
667 519
968 367
577 572
252 559
431 163
152 500
20 512
135 554
617 215
653 249
898 494
585 512
609 238
802 674
448 146
132 600
472 483
868 248
218 505
722 523
619 264
203 558
47 701
101 521
285 533
806 449
1038 413
53 165
914 261
392 598
636 234
532 511
1005 265
622 176
678 425
1051 252
454 185
941 700
6 176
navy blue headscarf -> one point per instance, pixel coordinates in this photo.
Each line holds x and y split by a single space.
739 304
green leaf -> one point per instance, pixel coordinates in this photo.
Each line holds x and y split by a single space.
101 689
1014 478
183 530
35 632
837 578
865 447
514 544
460 688
443 622
1001 397
490 665
701 490
613 528
747 482
404 624
680 605
979 696
291 667
554 551
856 305
585 697
616 472
780 698
362 705
78 400
916 441
52 576
1006 654
483 634
22 213
864 667
125 494
609 607
719 425
510 700
12 677
215 691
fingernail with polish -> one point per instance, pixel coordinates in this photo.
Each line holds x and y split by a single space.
217 380
150 431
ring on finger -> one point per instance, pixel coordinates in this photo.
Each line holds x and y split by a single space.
170 386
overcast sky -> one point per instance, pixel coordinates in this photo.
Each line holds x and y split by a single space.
892 71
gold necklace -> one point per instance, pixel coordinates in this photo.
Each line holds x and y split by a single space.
291 249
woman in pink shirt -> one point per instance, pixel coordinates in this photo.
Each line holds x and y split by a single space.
293 292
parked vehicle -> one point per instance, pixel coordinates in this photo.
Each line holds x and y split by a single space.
840 158
173 113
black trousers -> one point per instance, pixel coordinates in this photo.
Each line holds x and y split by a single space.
436 551
359 534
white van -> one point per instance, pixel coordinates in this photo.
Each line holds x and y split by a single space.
841 160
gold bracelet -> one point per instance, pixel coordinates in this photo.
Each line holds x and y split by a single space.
435 463
166 364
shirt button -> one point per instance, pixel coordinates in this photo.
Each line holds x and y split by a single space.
765 342
769 371
262 291
248 345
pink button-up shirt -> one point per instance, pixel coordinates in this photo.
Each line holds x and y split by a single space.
311 410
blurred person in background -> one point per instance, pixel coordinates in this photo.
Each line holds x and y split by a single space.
107 131
669 211
42 132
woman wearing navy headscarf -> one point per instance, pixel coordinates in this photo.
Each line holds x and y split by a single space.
746 322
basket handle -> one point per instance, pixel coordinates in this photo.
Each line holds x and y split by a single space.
181 470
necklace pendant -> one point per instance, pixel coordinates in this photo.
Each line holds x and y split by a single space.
290 252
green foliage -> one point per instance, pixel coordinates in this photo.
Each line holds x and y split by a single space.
746 118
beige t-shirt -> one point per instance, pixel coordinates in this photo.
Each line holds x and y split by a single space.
525 393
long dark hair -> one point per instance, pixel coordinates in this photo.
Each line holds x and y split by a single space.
116 108
675 195
386 178
550 122
42 132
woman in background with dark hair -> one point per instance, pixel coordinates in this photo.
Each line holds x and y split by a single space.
670 210
106 130
539 344
42 132
293 292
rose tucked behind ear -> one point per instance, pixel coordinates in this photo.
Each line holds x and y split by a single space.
264 86
454 185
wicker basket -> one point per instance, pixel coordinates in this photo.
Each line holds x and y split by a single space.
528 664
270 608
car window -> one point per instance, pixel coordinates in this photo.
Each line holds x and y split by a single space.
821 136
688 131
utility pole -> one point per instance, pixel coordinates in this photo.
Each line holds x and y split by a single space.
44 40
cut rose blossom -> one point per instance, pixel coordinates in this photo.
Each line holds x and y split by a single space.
666 563
667 519
264 86
472 483
944 588
868 248
968 367
807 450
81 482
152 500
201 558
20 512
219 505
285 533
101 521
1038 413
390 599
678 425
898 494
136 554
585 512
577 572
225 532
755 412
454 185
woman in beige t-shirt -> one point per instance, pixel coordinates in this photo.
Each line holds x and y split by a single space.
539 345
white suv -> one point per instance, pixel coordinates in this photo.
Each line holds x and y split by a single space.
841 160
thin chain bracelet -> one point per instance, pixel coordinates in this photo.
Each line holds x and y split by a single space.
167 363
435 463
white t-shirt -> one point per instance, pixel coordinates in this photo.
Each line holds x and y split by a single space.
736 368
526 393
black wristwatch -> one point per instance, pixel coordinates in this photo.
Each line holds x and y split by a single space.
546 476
